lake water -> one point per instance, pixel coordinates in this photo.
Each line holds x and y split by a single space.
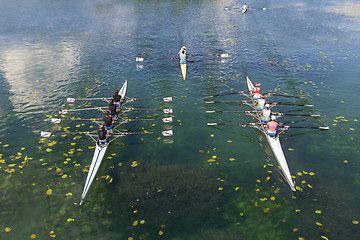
203 182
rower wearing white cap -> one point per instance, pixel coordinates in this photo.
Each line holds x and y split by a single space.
183 48
266 113
271 127
260 103
182 55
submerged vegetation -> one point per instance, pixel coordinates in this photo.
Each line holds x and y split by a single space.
166 197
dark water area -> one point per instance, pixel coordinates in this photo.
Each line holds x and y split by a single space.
203 182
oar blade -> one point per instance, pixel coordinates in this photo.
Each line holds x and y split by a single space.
62 112
167 99
45 134
167 120
55 120
167 110
167 133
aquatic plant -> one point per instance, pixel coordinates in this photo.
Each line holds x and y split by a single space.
170 198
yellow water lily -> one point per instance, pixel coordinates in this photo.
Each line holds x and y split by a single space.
134 164
49 191
7 229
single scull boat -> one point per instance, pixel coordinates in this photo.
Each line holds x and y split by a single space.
274 142
183 70
100 150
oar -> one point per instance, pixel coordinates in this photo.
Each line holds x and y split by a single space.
222 55
141 59
64 111
281 103
271 103
291 104
69 99
165 120
165 110
224 94
320 128
255 8
58 120
284 95
210 102
231 124
253 124
164 133
48 134
220 111
165 99
294 114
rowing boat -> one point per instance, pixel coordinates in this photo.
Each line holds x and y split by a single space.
274 143
183 70
100 151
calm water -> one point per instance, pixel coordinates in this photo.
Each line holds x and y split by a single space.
204 182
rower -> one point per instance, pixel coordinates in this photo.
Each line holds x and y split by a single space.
266 113
102 135
117 98
271 127
183 56
108 121
244 7
256 91
260 103
183 48
112 109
